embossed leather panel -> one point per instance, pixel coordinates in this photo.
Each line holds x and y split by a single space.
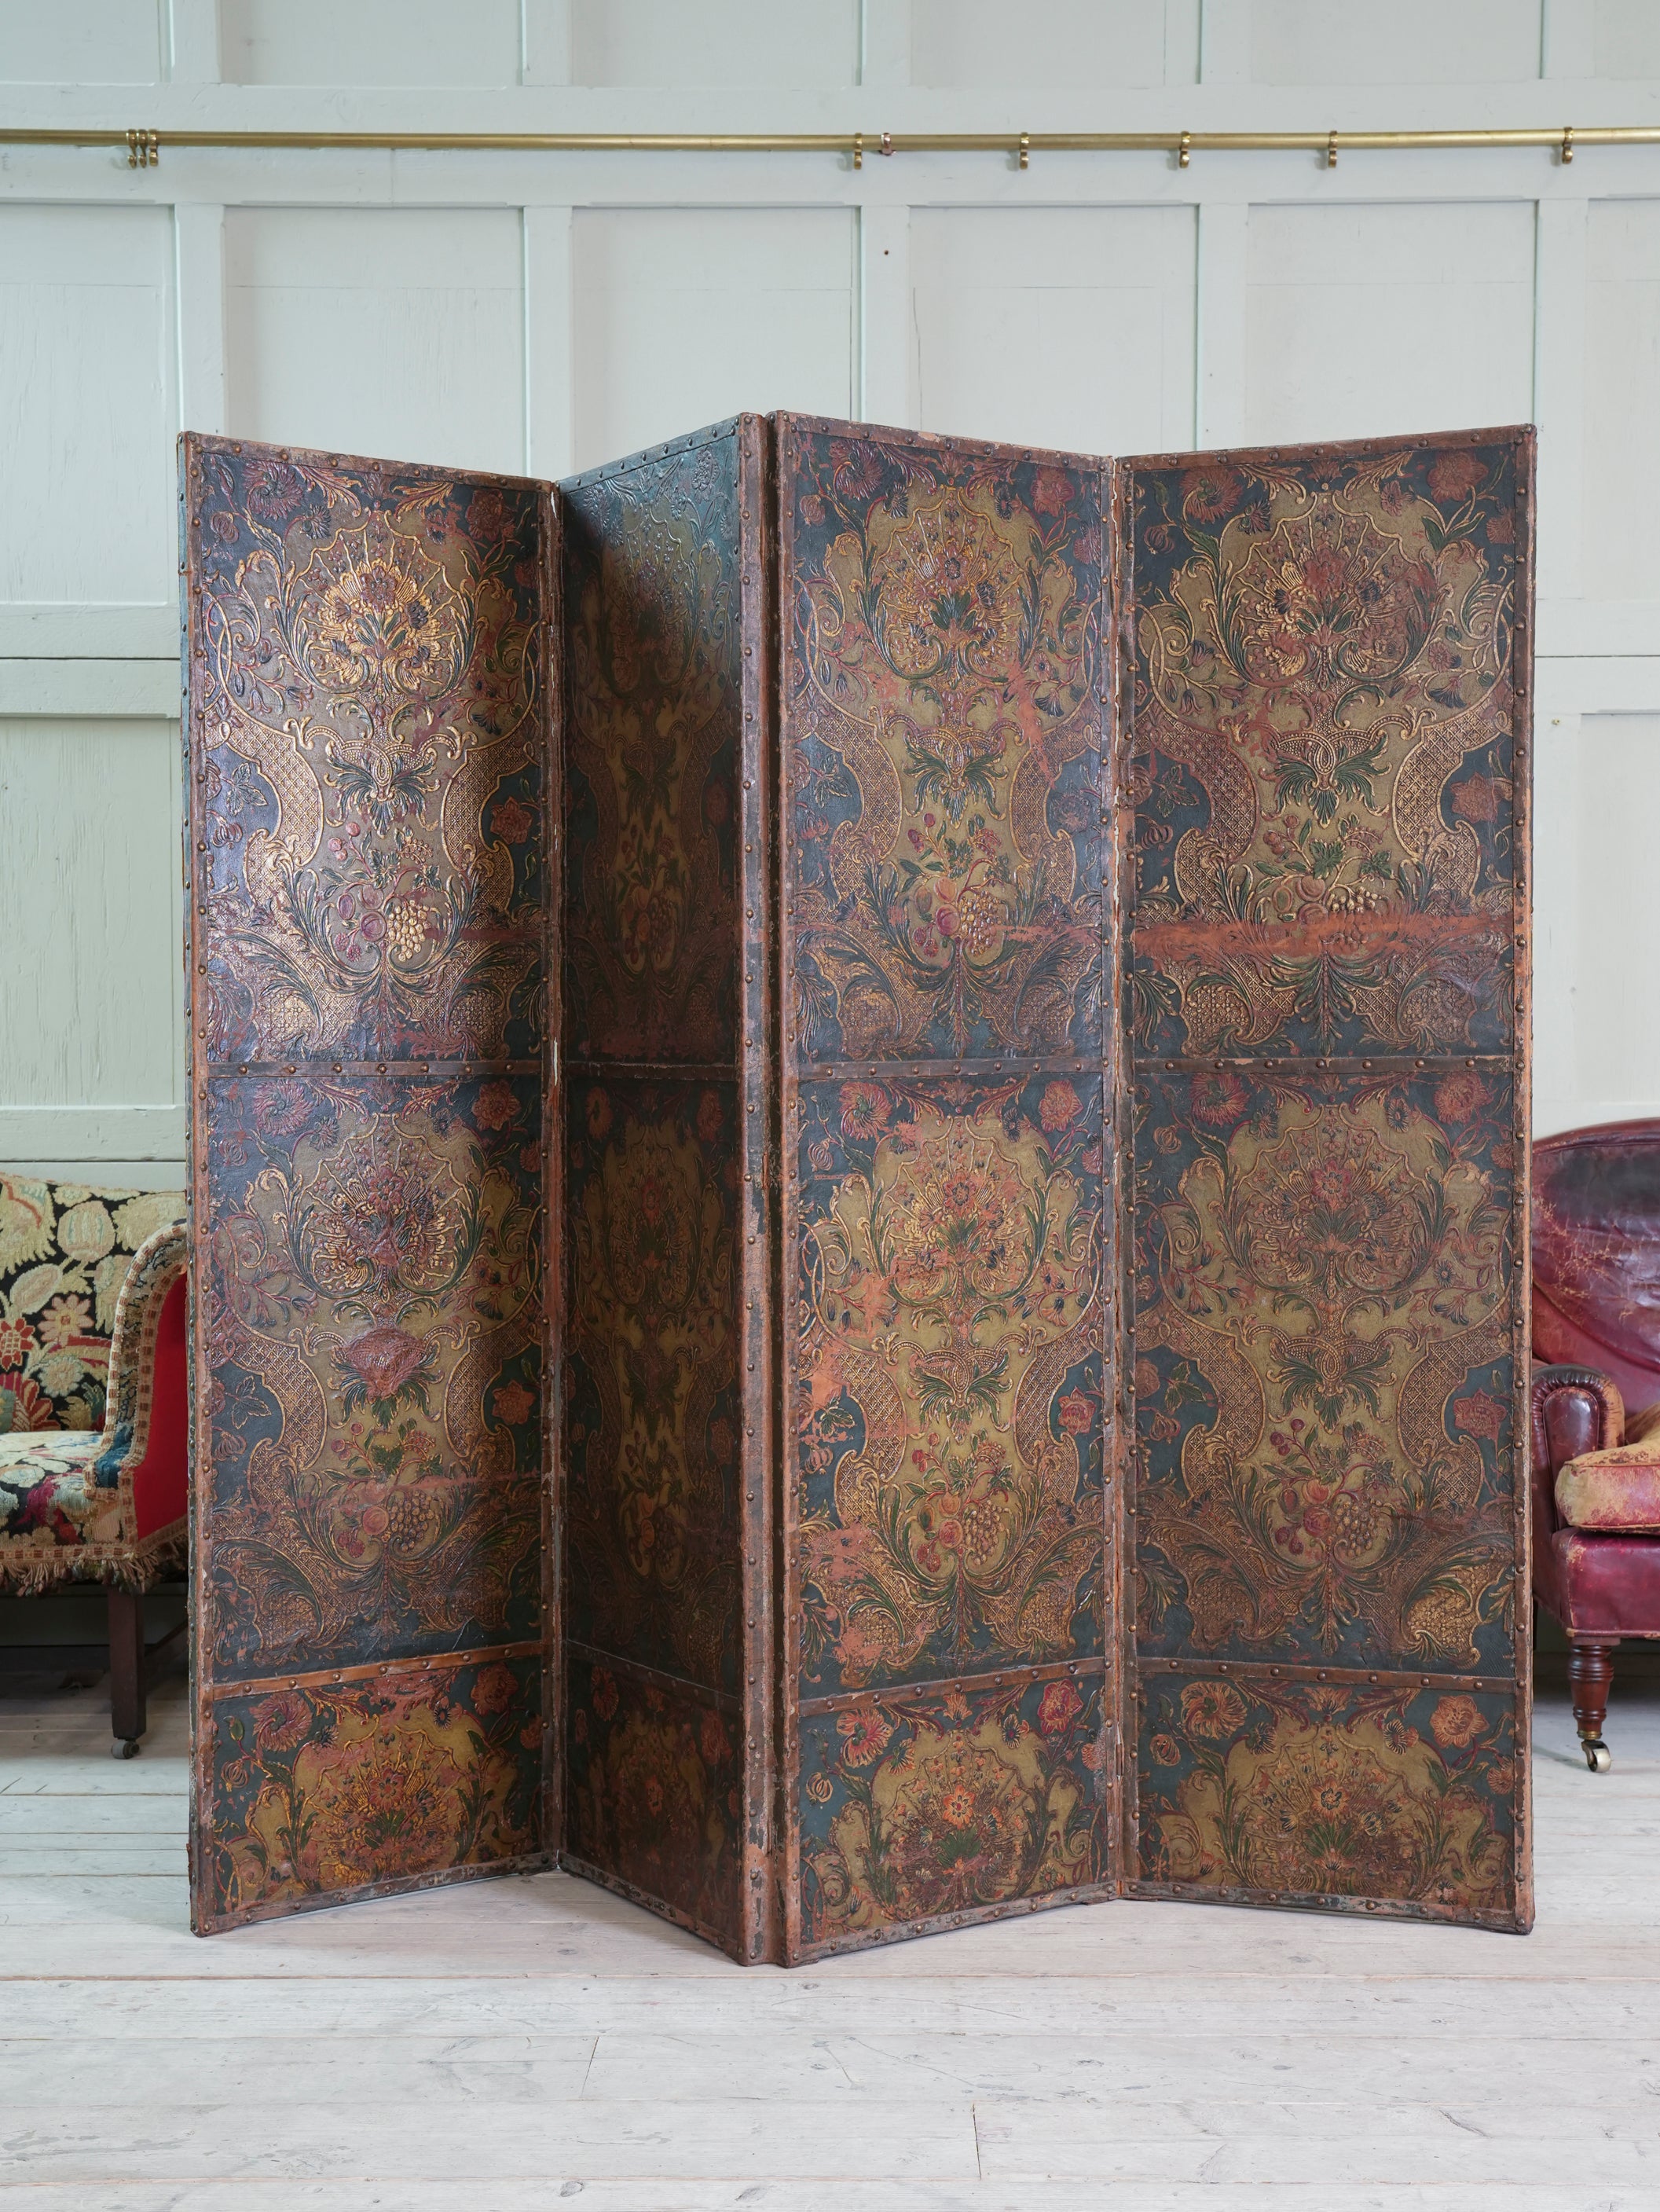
947 1610
1324 711
1323 1368
367 750
1315 1792
669 1579
654 660
846 1483
1325 683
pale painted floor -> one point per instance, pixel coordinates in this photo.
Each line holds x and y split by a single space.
538 2043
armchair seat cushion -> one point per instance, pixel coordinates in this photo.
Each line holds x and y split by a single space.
1616 1490
48 1492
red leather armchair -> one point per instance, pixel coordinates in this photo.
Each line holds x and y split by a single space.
1597 1329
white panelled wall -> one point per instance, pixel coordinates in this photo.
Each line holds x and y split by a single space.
543 312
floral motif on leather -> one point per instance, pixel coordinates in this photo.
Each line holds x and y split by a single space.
653 605
65 1250
947 1377
1310 1790
318 1792
942 740
1323 745
373 1312
656 1780
912 1807
367 704
651 1492
1323 1375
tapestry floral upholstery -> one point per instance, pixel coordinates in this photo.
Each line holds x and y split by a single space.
70 1506
47 1492
66 1249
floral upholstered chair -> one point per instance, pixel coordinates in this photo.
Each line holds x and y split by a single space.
93 1404
1596 1401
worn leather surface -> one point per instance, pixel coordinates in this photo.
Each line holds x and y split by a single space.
947 1275
368 732
1328 779
654 551
1606 1585
1618 1489
1596 1306
1573 1410
1596 1252
1593 1582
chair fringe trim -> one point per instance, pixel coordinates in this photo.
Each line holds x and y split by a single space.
138 1567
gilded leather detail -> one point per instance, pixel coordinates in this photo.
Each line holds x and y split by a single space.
656 1804
1323 749
1323 1369
374 1298
321 1793
368 700
925 1804
652 1480
943 734
369 754
652 627
1317 1792
948 1377
947 1244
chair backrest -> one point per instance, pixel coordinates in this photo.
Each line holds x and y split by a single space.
147 1420
66 1249
1596 1253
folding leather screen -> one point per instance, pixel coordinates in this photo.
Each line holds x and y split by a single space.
368 677
1006 1326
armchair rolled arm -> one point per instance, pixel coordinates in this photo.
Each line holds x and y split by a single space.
1575 1410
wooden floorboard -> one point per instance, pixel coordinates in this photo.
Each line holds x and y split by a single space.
535 2043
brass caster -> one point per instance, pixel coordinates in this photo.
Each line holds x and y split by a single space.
1597 1755
123 1747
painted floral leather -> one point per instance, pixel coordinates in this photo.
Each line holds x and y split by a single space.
1026 1097
669 1776
1324 749
368 762
946 1610
1325 816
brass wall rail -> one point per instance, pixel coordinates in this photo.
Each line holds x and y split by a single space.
144 147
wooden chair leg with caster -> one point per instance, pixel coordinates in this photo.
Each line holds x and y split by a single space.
127 1685
1591 1676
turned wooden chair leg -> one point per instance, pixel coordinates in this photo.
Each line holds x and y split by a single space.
1590 1675
126 1671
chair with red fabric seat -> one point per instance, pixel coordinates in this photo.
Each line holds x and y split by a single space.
84 1498
1596 1325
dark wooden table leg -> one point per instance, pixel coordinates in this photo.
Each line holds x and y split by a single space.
126 1671
1591 1676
